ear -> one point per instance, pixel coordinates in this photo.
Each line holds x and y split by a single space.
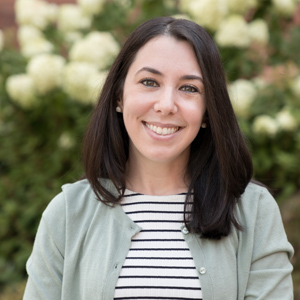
120 104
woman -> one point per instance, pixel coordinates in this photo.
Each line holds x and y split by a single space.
167 209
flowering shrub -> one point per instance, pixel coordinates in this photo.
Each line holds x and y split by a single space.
208 13
233 31
265 124
49 85
32 41
98 48
91 7
83 81
243 93
72 18
285 7
21 89
258 31
35 12
46 71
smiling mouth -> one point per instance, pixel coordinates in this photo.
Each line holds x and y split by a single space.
162 130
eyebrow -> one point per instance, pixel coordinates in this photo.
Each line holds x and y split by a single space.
192 77
151 70
156 72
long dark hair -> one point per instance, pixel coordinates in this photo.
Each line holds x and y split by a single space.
220 165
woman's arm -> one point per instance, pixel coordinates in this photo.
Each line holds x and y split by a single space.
270 270
45 265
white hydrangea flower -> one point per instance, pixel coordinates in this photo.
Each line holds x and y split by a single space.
65 141
83 82
46 71
284 7
72 18
259 83
91 7
38 13
181 16
265 124
242 93
259 31
32 41
72 36
36 46
28 33
295 85
241 6
1 40
99 48
208 13
52 12
286 121
234 32
21 90
95 85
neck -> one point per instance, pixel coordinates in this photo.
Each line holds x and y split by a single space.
156 178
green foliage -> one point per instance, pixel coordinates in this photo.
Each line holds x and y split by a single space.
276 158
11 62
121 22
33 166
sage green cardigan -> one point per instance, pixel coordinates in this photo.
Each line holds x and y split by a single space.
81 245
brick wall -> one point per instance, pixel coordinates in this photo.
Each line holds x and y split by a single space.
7 17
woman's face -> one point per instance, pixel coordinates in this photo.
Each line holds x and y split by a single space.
163 101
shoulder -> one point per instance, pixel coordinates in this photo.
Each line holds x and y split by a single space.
254 191
257 209
77 200
256 199
258 213
83 188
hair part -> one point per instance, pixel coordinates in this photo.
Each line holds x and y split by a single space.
220 165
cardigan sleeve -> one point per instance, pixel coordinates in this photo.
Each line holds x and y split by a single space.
45 265
270 270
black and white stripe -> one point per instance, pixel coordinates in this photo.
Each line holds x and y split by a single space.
159 264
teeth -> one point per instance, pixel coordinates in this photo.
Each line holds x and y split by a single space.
162 131
165 131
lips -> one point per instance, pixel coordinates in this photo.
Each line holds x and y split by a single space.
162 130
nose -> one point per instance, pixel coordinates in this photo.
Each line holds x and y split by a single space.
166 102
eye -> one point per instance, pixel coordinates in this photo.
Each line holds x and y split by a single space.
149 82
189 89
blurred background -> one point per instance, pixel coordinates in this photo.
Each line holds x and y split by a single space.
54 56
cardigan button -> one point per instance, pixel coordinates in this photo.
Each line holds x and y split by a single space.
202 270
184 230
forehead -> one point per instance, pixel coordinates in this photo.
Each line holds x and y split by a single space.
168 53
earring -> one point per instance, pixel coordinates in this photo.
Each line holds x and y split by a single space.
118 109
204 125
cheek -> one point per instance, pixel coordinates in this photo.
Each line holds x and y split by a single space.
132 113
135 106
194 113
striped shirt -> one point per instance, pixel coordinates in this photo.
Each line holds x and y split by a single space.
159 264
